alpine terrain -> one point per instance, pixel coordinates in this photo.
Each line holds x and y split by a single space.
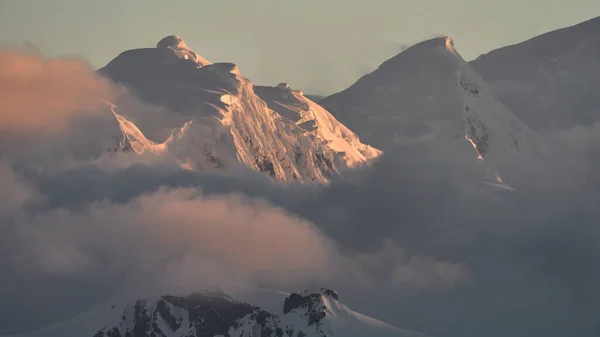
550 81
214 313
428 93
219 119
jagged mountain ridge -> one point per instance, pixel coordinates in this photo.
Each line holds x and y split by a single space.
214 313
228 123
310 116
550 81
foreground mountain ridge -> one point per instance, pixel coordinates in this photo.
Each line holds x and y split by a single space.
214 313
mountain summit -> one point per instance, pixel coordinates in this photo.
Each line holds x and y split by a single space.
180 48
226 123
428 93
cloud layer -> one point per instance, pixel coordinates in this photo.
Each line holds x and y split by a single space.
41 94
414 240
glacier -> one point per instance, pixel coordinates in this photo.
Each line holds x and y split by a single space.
229 121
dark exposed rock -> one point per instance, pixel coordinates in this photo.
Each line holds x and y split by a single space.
209 314
310 306
212 315
331 293
142 322
165 313
325 165
478 132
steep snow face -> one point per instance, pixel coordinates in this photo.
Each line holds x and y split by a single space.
227 123
133 138
317 121
551 81
214 313
429 93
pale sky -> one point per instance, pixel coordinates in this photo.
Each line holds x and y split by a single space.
320 46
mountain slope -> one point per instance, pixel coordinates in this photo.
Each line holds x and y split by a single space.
310 116
551 81
227 123
213 313
428 93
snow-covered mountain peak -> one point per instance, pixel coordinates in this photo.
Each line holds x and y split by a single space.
428 93
172 41
427 90
177 45
227 120
214 313
442 46
210 313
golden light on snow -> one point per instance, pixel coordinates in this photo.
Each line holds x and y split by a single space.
449 45
479 156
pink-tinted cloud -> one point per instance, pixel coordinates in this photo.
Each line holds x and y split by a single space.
40 93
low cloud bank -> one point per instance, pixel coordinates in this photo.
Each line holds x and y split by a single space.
414 240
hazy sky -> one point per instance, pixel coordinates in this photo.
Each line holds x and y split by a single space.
318 45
